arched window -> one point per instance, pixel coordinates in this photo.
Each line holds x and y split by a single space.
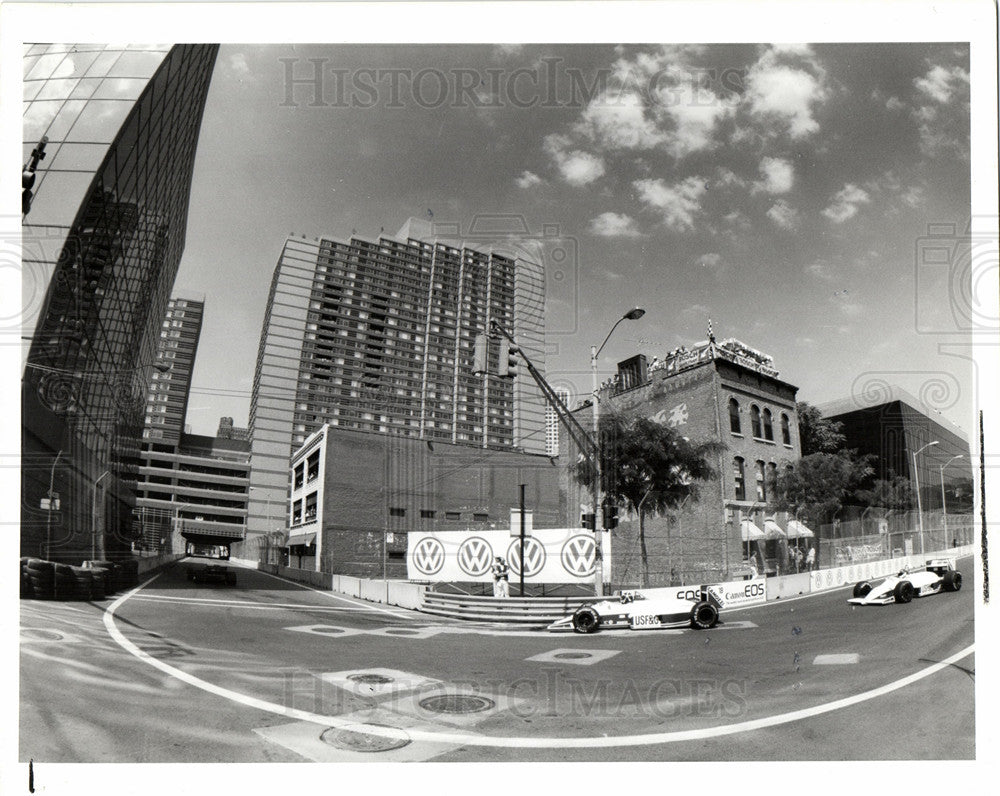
738 479
768 429
734 416
755 420
786 431
761 489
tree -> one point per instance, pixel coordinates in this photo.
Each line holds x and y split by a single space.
816 433
816 485
648 467
894 492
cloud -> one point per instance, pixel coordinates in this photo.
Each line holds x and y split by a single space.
942 120
529 179
710 260
783 215
914 196
617 122
941 84
615 225
238 63
679 203
845 203
779 176
820 271
783 87
577 167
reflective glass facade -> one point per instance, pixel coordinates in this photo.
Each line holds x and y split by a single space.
102 243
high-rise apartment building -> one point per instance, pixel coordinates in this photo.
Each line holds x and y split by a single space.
552 424
167 400
379 337
114 131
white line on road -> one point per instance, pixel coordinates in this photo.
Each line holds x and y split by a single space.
245 604
514 742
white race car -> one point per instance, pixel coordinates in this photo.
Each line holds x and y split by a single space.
683 607
937 575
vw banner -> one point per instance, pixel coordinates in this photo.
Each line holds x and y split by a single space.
551 555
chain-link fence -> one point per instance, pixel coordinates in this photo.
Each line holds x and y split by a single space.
885 534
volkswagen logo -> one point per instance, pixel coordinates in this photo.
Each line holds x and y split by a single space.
428 556
475 556
578 555
534 556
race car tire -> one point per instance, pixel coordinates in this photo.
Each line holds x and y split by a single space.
586 620
903 592
862 588
952 581
704 616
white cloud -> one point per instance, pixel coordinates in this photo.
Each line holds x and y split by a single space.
941 84
914 196
615 225
577 167
679 203
694 114
528 179
820 271
618 121
783 215
845 203
710 260
238 63
779 176
780 92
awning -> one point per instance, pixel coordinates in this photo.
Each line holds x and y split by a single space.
796 530
772 530
751 533
301 538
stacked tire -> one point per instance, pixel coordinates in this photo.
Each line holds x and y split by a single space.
64 582
112 575
41 578
25 580
129 572
84 583
98 583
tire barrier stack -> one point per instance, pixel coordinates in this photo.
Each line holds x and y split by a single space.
94 580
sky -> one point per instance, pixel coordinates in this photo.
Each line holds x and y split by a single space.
788 193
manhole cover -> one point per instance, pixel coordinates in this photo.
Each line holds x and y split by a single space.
370 679
456 703
360 741
572 656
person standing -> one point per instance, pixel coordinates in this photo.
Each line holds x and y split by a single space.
811 558
501 578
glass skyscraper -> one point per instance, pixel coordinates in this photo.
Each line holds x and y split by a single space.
114 131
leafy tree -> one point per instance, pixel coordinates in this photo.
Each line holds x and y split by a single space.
817 485
817 434
894 492
649 468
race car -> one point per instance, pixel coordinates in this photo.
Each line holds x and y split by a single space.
937 575
213 572
667 608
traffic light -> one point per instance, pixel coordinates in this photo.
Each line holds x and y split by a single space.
587 521
507 361
610 515
479 354
28 174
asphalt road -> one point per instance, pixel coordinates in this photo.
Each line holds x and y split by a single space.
269 670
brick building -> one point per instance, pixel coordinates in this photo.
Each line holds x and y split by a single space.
715 391
354 520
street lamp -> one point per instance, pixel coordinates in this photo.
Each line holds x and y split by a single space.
631 315
916 480
944 504
48 514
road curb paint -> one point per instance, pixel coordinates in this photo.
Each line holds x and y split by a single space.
467 739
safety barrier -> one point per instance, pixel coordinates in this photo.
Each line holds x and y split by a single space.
523 611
